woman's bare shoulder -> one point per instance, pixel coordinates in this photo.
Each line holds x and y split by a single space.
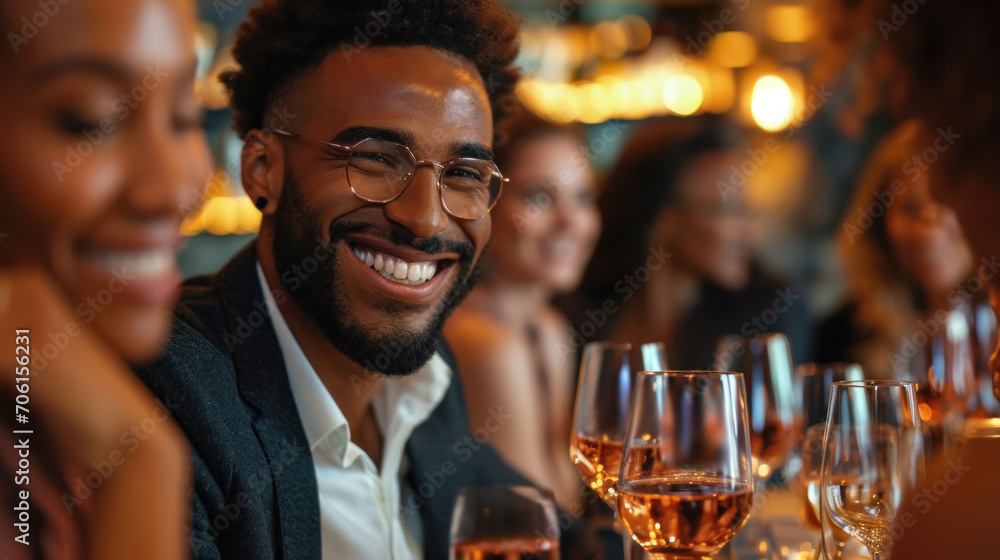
482 340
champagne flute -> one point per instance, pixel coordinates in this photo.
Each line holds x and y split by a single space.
604 392
775 422
873 457
686 485
504 523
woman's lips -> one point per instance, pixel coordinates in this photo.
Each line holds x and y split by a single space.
144 265
148 276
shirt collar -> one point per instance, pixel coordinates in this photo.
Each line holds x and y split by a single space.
400 404
319 412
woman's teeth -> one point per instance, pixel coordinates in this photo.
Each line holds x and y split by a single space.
396 269
144 264
561 248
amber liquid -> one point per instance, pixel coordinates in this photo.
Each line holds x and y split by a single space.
770 447
598 462
507 549
809 490
681 516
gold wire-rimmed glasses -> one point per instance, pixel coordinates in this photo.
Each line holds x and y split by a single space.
378 171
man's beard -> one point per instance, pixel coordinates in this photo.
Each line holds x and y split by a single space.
379 348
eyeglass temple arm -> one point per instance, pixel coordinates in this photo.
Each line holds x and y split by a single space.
285 133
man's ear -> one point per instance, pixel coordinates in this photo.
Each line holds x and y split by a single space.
262 173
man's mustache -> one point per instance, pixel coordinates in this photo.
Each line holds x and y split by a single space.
400 236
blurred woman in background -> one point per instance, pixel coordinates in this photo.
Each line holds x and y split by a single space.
915 301
512 346
102 147
907 264
676 261
916 310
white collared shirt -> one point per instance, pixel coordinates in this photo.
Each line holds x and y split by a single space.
360 513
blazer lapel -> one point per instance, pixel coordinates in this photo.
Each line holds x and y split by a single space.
263 384
431 441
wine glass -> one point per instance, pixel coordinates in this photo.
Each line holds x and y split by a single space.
814 382
984 329
604 392
807 481
686 484
504 522
775 423
873 457
944 370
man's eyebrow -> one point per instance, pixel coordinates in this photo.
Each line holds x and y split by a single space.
359 133
472 150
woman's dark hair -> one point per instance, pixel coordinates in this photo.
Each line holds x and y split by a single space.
643 182
282 40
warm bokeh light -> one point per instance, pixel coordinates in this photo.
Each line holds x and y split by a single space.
639 31
532 94
594 104
721 89
561 103
733 49
617 92
925 412
771 103
641 100
763 471
609 39
683 94
224 215
789 24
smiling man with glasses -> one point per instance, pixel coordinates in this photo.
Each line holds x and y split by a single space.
324 412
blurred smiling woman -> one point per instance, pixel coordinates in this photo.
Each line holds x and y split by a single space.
906 266
510 342
102 148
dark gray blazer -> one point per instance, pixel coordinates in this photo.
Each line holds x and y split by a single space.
223 378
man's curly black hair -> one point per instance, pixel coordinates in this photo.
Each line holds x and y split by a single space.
282 40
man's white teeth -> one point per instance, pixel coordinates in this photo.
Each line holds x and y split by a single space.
401 269
397 270
145 264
